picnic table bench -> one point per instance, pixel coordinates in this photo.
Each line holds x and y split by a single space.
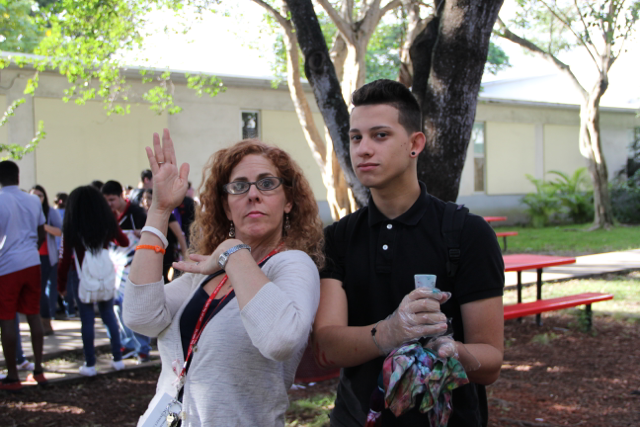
522 262
553 304
504 235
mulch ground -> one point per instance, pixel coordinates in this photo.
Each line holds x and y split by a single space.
553 375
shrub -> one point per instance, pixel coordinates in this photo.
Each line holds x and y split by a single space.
573 195
542 204
625 199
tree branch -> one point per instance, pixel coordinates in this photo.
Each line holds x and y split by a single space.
567 25
507 34
393 4
281 19
341 24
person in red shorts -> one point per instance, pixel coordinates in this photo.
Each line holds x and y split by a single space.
21 233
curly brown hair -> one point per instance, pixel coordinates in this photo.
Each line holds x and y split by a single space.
211 225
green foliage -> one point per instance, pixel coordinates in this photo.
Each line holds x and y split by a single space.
310 412
542 204
83 40
565 197
625 199
383 52
19 31
573 196
15 151
544 29
544 339
497 59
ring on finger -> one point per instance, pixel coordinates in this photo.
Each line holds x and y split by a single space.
161 163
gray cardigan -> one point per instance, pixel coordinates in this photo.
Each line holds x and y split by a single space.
246 360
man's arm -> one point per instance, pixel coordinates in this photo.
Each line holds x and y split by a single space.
335 344
338 345
483 323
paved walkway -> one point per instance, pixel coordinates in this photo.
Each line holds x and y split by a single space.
63 351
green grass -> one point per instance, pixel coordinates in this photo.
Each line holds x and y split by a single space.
310 412
625 288
571 239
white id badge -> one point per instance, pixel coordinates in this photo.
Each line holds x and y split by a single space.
425 281
158 415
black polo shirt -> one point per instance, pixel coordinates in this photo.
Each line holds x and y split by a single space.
376 258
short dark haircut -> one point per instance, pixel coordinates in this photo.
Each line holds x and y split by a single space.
146 174
97 184
112 188
45 200
9 173
395 94
88 220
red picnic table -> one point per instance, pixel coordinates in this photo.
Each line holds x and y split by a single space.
494 218
521 262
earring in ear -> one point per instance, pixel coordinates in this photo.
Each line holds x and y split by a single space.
232 231
287 224
413 153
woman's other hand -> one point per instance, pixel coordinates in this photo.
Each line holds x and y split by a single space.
206 264
169 184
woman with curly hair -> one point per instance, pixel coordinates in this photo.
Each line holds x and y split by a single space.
232 330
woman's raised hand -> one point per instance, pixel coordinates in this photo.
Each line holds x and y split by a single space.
169 184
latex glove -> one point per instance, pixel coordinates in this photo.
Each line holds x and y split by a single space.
418 315
443 346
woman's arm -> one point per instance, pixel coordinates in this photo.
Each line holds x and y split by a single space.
278 318
54 231
169 189
150 308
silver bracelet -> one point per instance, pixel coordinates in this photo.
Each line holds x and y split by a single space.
158 233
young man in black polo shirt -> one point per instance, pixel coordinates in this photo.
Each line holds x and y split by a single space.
373 255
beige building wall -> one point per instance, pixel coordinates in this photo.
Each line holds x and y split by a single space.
281 128
510 154
561 149
84 144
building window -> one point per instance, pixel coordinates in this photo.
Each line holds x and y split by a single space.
477 139
249 120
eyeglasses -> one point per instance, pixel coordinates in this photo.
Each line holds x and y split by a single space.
241 187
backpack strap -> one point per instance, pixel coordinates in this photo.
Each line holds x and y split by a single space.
452 223
75 258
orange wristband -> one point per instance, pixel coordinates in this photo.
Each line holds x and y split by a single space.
152 247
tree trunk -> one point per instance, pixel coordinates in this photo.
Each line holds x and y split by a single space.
591 148
326 88
339 195
415 26
447 87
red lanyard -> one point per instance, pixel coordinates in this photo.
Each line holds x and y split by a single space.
200 326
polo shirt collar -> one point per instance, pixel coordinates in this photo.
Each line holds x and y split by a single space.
410 217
